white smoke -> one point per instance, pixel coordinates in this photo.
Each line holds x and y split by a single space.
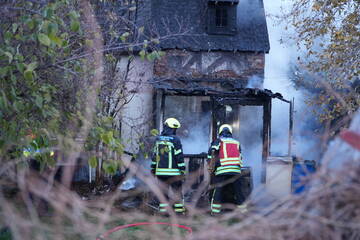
255 82
197 139
277 67
280 128
250 136
195 122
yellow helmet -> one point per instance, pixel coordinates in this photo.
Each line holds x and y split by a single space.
225 126
172 123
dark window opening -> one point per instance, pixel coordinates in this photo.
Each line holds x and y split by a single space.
221 17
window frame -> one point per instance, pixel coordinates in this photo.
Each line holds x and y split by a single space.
225 24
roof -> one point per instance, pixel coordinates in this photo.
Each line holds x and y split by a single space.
186 20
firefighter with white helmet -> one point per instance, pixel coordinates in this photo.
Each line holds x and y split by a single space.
225 162
168 163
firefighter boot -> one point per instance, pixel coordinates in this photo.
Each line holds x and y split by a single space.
179 208
242 208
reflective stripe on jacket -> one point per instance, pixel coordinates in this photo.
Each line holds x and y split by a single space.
167 157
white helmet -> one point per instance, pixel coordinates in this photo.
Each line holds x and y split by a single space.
222 127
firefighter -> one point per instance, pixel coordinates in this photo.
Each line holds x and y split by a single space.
225 162
168 164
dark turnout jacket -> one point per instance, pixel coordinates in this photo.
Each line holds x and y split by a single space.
167 158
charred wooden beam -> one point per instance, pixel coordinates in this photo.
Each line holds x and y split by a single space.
162 110
155 110
159 108
266 138
199 88
291 126
214 123
246 101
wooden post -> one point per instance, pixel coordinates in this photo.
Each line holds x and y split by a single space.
159 109
291 126
266 137
162 111
213 119
155 110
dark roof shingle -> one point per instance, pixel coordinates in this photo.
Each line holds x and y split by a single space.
189 18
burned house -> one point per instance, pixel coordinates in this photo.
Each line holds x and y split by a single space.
212 73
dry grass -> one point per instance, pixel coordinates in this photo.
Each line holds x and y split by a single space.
329 210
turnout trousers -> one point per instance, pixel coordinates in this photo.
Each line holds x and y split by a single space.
176 199
221 182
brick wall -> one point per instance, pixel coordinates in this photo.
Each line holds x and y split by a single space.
215 65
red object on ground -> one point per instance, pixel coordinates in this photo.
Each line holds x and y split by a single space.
351 138
105 235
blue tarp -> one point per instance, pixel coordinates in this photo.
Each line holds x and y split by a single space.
300 181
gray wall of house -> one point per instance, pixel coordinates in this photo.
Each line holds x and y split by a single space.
136 115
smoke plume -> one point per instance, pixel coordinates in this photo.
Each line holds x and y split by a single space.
277 68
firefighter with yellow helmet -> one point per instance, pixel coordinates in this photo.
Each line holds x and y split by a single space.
168 164
225 162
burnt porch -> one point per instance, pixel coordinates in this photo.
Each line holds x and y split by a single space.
213 102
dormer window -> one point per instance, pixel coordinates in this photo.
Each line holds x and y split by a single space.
222 17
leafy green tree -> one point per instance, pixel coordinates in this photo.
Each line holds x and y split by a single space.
37 73
57 57
329 31
47 67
